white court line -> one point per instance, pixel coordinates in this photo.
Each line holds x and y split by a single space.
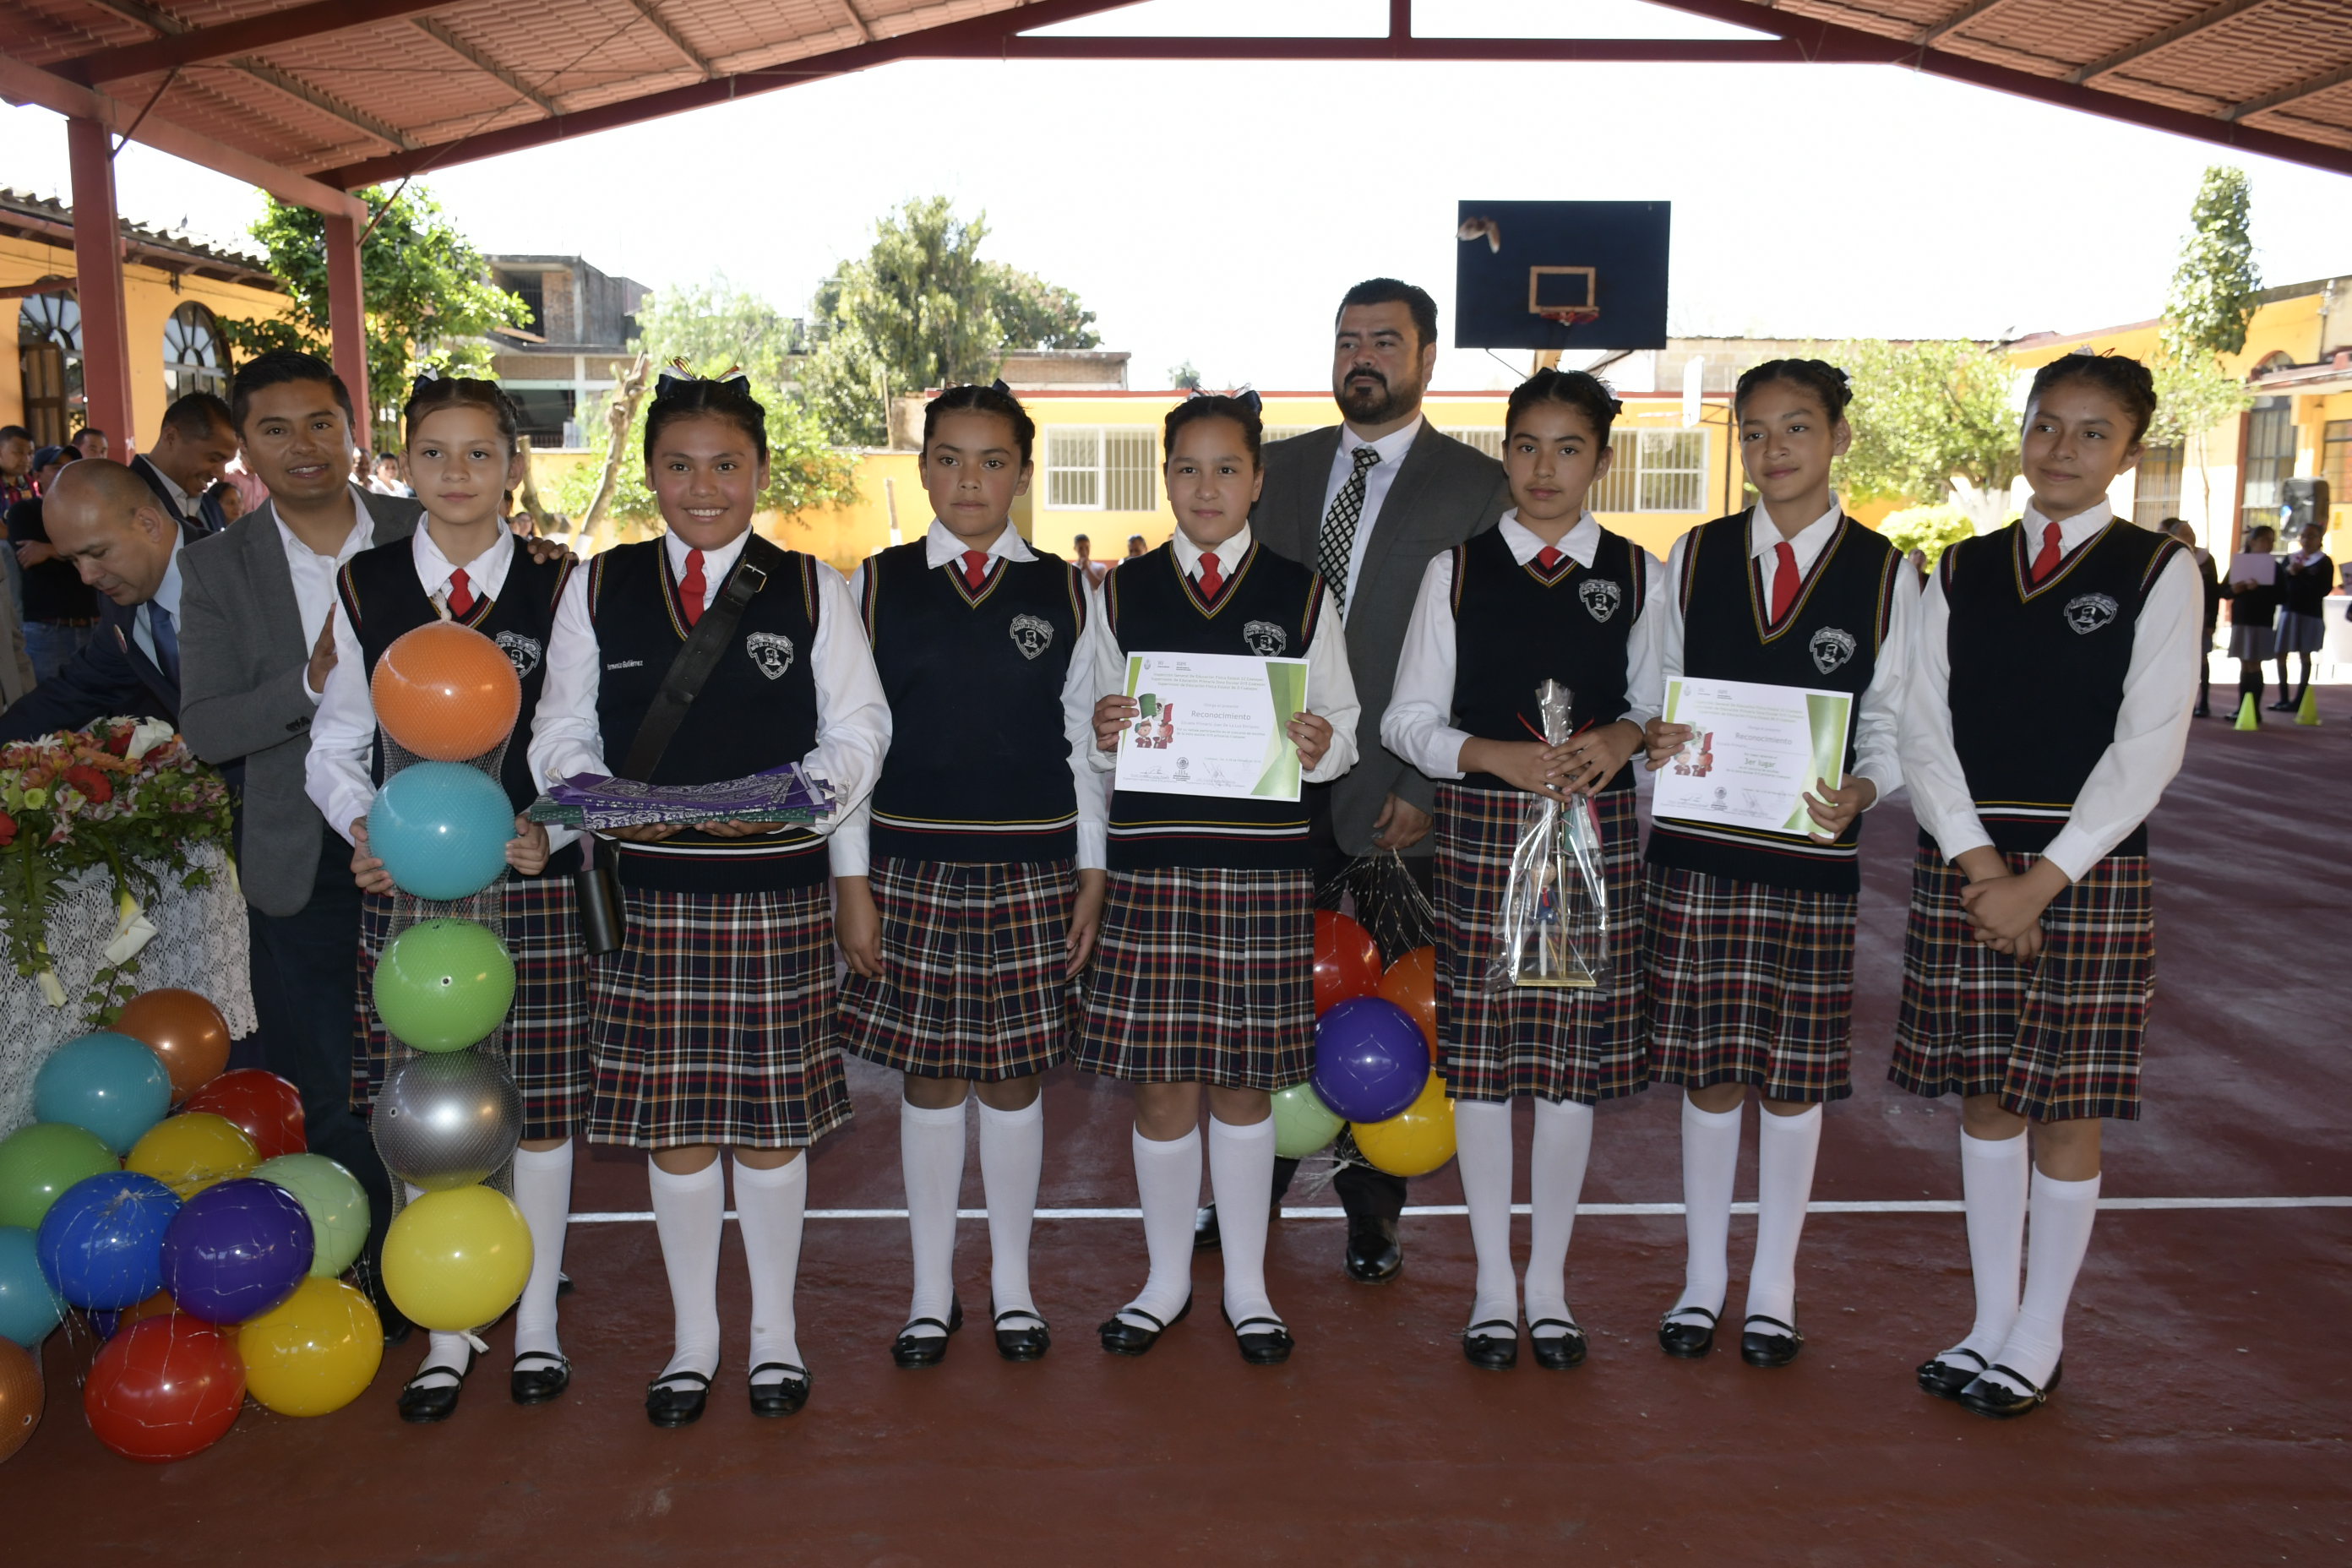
1440 1210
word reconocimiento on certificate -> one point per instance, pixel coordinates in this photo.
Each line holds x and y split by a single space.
1212 724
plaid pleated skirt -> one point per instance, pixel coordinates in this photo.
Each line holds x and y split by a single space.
972 960
2058 1039
1750 984
545 1037
1203 974
1583 1045
714 1023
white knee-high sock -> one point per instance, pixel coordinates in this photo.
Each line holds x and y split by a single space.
1786 1148
1241 1161
542 1190
930 1152
1482 1145
447 1355
770 1207
1994 1175
1012 1160
1168 1186
1710 1159
1563 1147
690 1212
2060 1236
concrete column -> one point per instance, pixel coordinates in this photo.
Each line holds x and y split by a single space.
97 284
347 322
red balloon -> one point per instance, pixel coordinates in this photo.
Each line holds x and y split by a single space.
1346 959
165 1389
1411 983
266 1106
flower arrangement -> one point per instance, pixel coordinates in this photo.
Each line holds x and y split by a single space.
125 795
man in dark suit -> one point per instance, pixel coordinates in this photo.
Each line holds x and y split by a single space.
191 452
1367 503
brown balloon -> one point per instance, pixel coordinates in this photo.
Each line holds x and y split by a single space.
183 1029
21 1396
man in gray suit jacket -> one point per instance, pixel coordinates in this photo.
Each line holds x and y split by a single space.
1367 503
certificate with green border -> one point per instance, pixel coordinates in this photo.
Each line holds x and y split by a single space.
1754 751
1212 724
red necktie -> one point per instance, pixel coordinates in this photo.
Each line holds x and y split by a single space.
692 588
2047 561
461 593
1548 558
1784 580
1212 583
975 567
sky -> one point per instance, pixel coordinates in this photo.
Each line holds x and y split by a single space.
1214 212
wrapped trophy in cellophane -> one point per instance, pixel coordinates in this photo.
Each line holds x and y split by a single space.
1555 913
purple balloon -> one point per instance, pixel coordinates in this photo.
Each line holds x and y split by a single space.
236 1251
1371 1059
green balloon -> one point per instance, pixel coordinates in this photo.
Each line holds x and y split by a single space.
1302 1122
333 1199
39 1162
443 984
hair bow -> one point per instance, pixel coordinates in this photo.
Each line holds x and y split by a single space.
422 383
1246 396
671 385
998 385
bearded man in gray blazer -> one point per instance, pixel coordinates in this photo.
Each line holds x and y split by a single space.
1368 503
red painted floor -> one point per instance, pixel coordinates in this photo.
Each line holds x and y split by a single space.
2203 1420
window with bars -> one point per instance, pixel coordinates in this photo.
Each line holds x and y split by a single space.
1485 438
193 360
2156 495
2270 461
2335 460
1274 433
1101 470
1654 470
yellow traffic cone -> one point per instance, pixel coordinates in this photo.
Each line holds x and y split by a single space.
2247 717
2308 712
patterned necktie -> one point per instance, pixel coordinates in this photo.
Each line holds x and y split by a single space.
1548 558
692 588
461 593
167 640
2047 561
975 567
1784 580
1335 546
1212 583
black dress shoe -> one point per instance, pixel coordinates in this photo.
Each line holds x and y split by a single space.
422 1407
911 1348
1373 1255
536 1385
668 1406
562 1284
1996 1400
1777 1346
2204 710
1495 1353
784 1397
1945 1375
1030 1341
1686 1342
1120 1337
1270 1345
1206 1237
1556 1353
2281 706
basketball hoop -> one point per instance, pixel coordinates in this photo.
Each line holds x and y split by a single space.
1570 315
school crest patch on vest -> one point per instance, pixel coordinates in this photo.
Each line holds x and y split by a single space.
1030 635
1831 647
522 652
2087 613
1264 639
1600 598
772 652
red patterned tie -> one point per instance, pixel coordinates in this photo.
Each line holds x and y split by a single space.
1548 558
2047 561
461 593
1212 582
975 567
1784 580
692 589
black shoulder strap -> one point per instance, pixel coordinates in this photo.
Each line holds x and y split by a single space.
699 656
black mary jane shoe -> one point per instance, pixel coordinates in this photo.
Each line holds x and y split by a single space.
536 1385
1493 1353
1206 1236
911 1348
1686 1342
784 1397
2204 710
1120 1337
1269 1346
1560 1352
1778 1346
1027 1342
1374 1257
1987 1398
1944 1376
422 1407
668 1406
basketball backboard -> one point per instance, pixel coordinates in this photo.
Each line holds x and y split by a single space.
1562 275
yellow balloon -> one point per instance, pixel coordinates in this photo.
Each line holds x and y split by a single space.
190 1151
315 1352
1416 1140
456 1260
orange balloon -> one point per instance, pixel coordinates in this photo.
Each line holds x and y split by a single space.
159 1305
186 1030
1411 983
445 691
1346 961
21 1397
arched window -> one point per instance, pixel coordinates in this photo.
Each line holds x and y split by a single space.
194 360
49 353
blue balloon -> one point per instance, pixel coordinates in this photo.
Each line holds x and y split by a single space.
105 1083
441 829
236 1251
1371 1059
29 1309
101 1243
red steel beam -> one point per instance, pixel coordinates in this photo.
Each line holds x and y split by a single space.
259 32
347 322
98 282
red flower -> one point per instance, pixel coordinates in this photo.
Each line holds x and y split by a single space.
94 786
119 741
7 830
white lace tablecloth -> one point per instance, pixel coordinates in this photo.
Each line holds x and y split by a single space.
199 945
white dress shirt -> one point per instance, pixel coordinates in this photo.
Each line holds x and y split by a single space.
2151 728
1392 448
167 593
1419 723
1876 748
852 718
180 498
1330 686
942 550
314 574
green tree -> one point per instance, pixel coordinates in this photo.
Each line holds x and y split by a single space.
1185 377
1032 313
1932 528
2213 285
1933 421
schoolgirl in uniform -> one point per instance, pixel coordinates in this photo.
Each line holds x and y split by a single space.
1204 973
2306 579
2049 708
2254 631
1547 594
1750 943
713 1026
970 888
463 564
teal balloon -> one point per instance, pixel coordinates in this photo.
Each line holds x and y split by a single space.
443 984
29 1306
441 829
39 1162
334 1200
104 1083
1302 1122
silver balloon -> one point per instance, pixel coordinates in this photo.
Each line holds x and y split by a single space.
449 1120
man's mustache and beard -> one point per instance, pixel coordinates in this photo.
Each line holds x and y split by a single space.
1366 398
